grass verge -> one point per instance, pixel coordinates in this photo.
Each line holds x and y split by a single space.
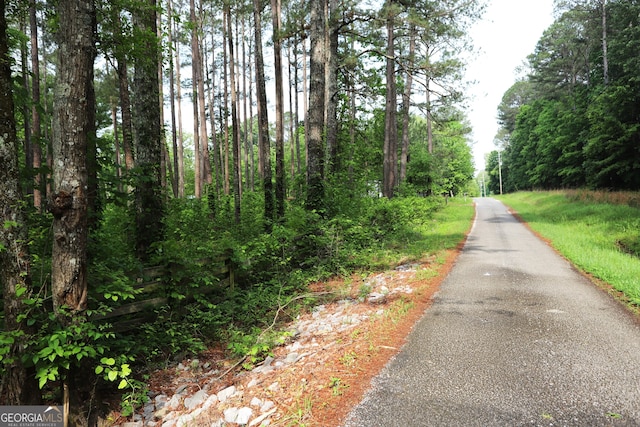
600 238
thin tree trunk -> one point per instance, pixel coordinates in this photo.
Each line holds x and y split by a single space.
406 104
225 67
195 63
172 101
251 138
125 103
305 104
296 82
277 60
180 153
315 115
35 111
116 144
332 88
292 152
207 179
165 167
212 116
245 122
429 119
26 114
263 122
390 154
605 47
235 133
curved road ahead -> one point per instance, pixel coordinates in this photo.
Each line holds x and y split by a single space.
515 336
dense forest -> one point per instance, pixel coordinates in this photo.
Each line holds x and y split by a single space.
574 120
281 141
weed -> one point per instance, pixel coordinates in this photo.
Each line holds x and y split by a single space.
337 386
364 291
349 358
399 309
301 409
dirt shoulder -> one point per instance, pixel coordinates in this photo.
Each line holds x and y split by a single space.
325 369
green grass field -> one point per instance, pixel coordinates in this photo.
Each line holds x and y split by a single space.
598 237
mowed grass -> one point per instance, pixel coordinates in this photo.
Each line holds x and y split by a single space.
600 238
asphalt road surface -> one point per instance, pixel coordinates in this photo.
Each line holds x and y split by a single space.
515 337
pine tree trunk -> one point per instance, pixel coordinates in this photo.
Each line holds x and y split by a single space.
246 121
180 153
71 131
172 100
263 122
390 154
214 137
235 132
605 44
195 74
125 103
147 133
406 105
225 144
277 65
315 114
332 89
204 136
36 130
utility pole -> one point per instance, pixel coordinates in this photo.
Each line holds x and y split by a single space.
500 169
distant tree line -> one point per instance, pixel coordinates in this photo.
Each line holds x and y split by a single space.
574 121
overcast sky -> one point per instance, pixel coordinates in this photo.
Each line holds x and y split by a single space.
507 33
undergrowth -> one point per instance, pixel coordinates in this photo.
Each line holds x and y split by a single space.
272 271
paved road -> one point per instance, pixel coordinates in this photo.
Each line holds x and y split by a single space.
514 337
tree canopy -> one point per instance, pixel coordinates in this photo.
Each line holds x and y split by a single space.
574 120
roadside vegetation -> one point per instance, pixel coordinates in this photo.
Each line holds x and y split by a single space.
272 274
597 231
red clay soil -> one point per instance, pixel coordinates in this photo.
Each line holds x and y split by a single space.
322 390
386 340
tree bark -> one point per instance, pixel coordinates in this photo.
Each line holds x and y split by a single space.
315 115
277 65
35 112
71 128
605 44
196 74
17 385
390 149
172 101
180 153
332 89
147 132
406 105
263 121
235 128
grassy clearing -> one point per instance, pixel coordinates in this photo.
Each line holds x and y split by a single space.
600 235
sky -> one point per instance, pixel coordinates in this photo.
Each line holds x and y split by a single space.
507 34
